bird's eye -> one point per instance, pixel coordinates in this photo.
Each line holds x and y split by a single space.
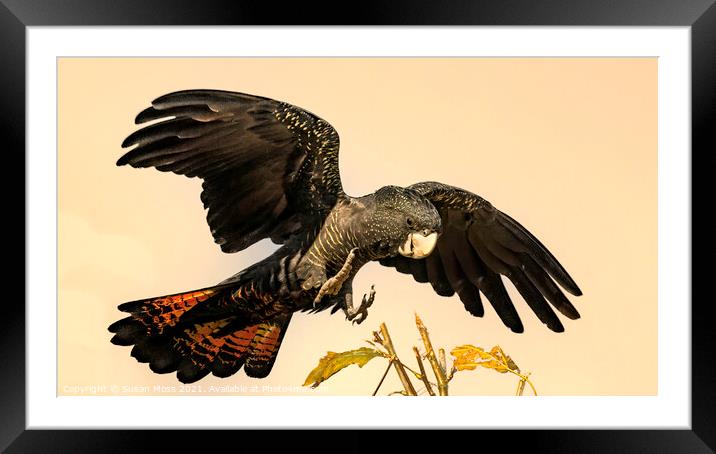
409 221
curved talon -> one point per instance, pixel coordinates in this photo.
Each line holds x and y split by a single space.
370 298
363 315
361 310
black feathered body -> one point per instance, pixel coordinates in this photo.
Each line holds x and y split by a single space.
270 170
242 320
290 278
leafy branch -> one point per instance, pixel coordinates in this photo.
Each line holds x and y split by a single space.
465 357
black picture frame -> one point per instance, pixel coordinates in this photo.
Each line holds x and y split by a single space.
700 15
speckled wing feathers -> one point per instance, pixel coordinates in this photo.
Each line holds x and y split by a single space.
269 168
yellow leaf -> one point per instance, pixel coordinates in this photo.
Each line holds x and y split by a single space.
503 358
468 357
334 362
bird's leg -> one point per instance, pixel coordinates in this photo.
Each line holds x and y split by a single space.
333 285
352 312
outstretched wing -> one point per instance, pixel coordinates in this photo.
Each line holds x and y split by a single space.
478 244
269 168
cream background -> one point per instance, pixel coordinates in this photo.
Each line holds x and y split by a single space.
566 146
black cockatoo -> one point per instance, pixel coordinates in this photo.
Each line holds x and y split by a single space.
270 170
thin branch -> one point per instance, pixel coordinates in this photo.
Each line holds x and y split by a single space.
430 354
525 378
423 375
534 391
404 379
441 359
409 369
377 338
451 374
387 369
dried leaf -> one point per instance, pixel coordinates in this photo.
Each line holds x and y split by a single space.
334 362
468 357
503 358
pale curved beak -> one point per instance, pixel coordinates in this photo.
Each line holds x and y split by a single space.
418 246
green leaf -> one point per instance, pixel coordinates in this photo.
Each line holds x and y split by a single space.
335 362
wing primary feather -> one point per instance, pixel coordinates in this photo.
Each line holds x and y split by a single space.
550 291
540 253
529 293
175 146
506 255
176 162
198 112
468 294
494 263
491 286
536 274
184 128
199 97
190 163
535 300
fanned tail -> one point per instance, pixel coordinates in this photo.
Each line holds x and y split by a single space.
181 333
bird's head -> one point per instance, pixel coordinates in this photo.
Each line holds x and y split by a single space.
410 221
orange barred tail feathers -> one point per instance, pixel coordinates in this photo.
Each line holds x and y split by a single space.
195 346
265 345
154 315
254 347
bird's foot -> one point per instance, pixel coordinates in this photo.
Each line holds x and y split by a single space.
362 310
333 285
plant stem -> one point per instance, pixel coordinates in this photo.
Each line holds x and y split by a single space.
441 359
383 378
525 378
430 353
404 379
423 375
416 374
451 374
534 391
406 367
